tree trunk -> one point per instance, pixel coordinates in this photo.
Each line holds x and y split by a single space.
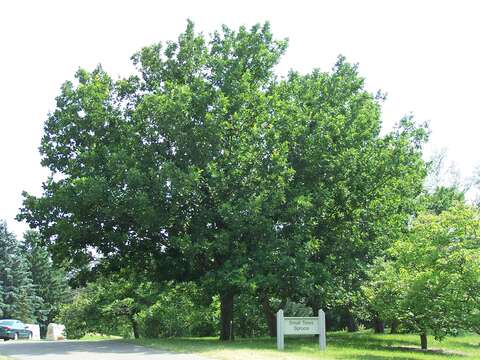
378 326
136 333
226 316
394 327
423 341
315 309
351 323
270 317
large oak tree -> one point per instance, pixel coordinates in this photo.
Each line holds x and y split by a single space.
205 166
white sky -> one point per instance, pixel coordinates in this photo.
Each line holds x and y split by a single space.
424 54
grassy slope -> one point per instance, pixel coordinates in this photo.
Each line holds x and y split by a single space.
340 345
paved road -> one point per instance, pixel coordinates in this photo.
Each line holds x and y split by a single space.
85 350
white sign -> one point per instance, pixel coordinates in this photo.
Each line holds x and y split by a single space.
300 326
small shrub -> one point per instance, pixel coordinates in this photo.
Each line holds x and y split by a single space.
177 313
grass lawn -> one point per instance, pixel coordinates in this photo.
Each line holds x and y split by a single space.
340 345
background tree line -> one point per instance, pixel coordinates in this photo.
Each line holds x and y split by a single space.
207 176
32 289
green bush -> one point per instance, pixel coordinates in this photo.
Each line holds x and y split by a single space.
77 315
179 311
249 320
93 311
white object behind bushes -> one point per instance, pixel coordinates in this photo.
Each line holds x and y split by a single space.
35 329
55 332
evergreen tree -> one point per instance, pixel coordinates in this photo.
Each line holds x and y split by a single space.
17 296
50 282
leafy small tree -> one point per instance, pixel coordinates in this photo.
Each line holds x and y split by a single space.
432 281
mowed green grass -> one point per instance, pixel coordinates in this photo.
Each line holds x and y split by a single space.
340 345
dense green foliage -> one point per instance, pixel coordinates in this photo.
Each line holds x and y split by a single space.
17 299
117 306
205 167
180 310
108 306
31 287
441 199
49 281
431 282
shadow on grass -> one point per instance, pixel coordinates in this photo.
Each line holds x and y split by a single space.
367 339
374 357
467 345
384 342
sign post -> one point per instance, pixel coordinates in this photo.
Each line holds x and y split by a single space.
301 326
322 336
280 330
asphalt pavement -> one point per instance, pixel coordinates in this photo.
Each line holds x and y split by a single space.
85 350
